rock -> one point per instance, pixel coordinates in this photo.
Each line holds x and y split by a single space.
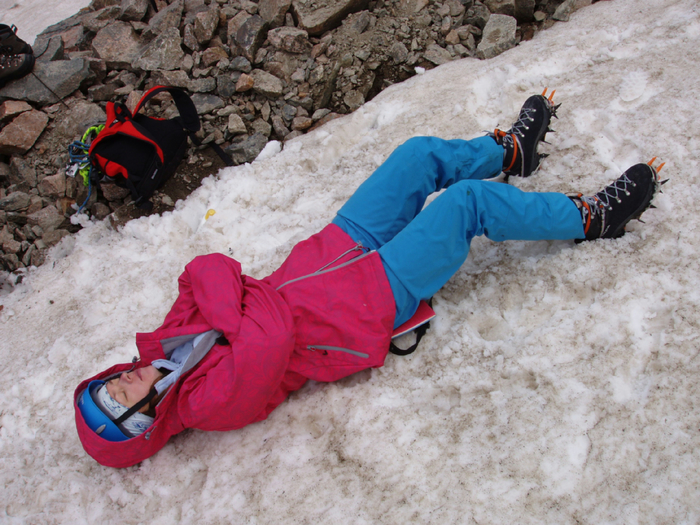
501 7
175 78
260 126
117 44
21 170
202 85
11 246
437 55
53 237
164 52
93 22
11 108
477 15
16 201
48 219
81 116
279 126
452 38
236 126
212 56
499 36
302 123
167 18
245 83
353 99
188 38
250 36
133 10
53 185
241 64
113 193
323 15
234 25
247 150
99 211
205 24
206 103
357 23
290 39
266 84
563 12
273 11
524 10
20 135
63 77
398 53
225 86
49 49
35 204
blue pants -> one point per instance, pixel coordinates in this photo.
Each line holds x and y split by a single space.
422 248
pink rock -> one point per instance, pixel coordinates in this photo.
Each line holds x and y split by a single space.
20 135
244 83
11 108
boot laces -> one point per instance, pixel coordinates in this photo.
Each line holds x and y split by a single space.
521 125
615 191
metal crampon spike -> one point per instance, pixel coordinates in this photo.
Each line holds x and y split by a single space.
652 206
663 182
544 155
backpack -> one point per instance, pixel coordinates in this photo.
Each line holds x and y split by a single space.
141 153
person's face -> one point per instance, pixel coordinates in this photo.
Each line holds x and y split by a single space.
131 387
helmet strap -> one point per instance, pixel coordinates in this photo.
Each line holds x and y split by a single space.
138 406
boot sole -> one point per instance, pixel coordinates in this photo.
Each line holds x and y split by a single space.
22 71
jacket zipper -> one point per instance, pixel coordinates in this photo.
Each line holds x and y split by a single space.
326 348
322 270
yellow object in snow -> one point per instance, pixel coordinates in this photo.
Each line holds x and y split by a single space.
209 214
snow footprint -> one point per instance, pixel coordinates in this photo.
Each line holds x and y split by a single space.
633 86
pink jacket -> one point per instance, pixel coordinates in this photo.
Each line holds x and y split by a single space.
326 313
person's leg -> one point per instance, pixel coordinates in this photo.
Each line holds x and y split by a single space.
421 258
396 192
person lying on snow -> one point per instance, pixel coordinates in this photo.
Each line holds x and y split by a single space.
232 348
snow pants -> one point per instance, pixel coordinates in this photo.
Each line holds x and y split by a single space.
422 248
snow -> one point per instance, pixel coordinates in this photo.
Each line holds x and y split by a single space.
558 383
33 16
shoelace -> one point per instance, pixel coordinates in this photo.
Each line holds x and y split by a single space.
613 191
525 115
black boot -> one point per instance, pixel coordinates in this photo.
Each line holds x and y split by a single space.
11 44
606 213
14 66
521 140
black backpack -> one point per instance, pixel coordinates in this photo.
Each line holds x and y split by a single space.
141 153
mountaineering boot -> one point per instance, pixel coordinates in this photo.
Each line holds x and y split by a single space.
606 213
521 140
11 44
14 66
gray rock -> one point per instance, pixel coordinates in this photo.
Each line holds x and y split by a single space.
279 126
564 11
79 118
353 99
398 53
247 150
205 24
236 126
225 86
113 193
273 11
164 52
188 38
20 135
437 55
93 22
290 39
48 49
202 85
260 126
133 10
117 44
53 185
53 237
16 201
499 36
62 76
99 211
501 7
101 92
266 84
250 36
21 170
48 219
323 15
241 64
206 103
167 18
477 15
358 23
234 25
175 78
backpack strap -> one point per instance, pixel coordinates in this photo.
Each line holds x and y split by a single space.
421 322
185 106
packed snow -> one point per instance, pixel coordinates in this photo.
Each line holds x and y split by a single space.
33 16
558 384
